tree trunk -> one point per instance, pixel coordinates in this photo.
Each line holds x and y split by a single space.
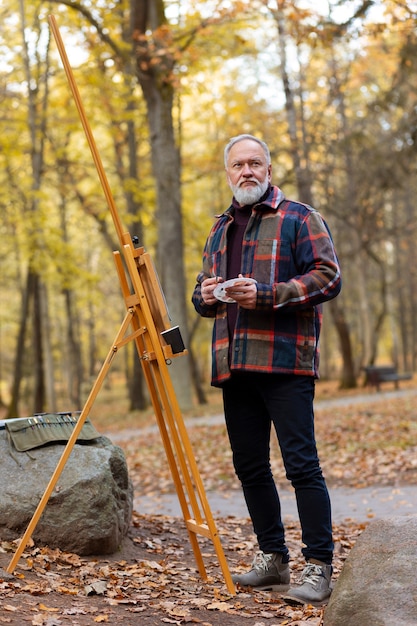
137 396
38 363
302 174
92 341
155 64
303 180
348 378
50 403
36 121
136 383
20 353
195 373
73 358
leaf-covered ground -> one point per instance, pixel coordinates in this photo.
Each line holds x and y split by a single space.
359 445
153 579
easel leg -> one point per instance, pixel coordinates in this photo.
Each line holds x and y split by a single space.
201 524
178 449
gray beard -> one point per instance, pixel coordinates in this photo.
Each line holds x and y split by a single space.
250 195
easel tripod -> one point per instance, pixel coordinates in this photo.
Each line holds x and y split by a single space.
149 324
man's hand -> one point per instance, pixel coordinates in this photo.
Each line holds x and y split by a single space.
207 287
244 293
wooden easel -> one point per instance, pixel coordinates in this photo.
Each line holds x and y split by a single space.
146 318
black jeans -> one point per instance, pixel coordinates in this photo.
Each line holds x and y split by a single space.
252 402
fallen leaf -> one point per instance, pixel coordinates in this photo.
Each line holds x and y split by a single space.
98 587
42 607
218 606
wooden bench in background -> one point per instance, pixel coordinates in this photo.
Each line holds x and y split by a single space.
377 374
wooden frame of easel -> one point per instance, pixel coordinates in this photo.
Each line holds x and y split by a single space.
146 318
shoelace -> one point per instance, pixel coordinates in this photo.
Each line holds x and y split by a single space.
311 574
261 561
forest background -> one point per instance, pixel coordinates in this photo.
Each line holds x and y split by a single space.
330 86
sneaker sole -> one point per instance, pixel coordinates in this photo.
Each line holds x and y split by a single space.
294 601
280 588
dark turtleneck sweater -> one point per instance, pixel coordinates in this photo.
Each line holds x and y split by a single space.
234 256
235 234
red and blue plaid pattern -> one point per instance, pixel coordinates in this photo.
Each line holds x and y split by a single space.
288 249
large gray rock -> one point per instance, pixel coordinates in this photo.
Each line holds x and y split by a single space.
89 511
377 585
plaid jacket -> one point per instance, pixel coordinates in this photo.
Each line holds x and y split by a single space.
288 249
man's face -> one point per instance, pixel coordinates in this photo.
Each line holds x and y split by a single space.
247 171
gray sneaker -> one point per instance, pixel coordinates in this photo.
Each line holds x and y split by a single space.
268 573
313 587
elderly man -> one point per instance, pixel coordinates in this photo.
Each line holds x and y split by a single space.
268 265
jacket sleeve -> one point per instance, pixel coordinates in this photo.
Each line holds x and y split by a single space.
200 306
318 276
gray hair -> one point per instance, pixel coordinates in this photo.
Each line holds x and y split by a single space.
238 138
